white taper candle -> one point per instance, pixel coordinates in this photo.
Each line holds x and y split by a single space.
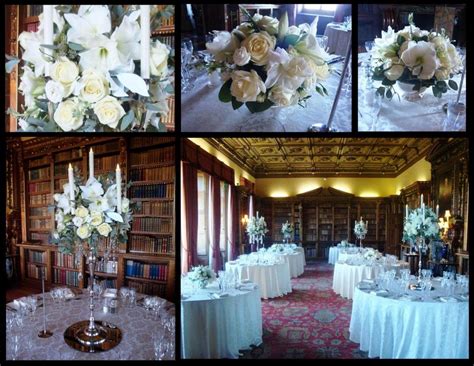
48 26
437 210
421 200
145 41
71 182
118 178
406 211
91 163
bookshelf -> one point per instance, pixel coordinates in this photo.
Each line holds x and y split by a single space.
149 162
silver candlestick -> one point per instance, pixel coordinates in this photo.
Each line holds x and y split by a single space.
45 333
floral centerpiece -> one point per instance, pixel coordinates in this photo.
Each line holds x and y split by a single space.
266 63
256 228
343 244
94 69
201 275
420 58
277 248
421 222
371 254
287 230
360 228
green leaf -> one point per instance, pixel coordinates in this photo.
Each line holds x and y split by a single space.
75 46
290 39
50 46
169 89
224 94
156 107
388 82
389 94
453 85
325 91
400 40
36 122
255 107
236 104
10 65
127 120
381 91
320 90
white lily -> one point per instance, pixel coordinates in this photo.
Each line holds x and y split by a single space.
93 190
90 21
309 47
127 36
30 42
421 59
104 56
285 70
31 86
111 196
57 19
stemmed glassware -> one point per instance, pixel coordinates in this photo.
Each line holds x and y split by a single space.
186 56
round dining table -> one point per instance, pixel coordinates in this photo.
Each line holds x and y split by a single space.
136 323
218 324
273 279
387 327
339 37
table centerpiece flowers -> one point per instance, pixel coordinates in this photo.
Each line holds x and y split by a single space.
94 68
256 228
415 59
370 254
266 63
201 275
287 231
360 229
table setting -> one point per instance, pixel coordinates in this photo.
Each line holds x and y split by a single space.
270 272
339 35
341 251
145 333
226 79
395 317
398 94
220 316
290 254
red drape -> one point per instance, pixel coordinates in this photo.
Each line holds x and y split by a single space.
191 203
216 219
234 252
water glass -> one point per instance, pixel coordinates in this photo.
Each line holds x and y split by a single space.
456 117
323 42
426 273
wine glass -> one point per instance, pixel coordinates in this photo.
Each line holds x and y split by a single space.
323 42
186 56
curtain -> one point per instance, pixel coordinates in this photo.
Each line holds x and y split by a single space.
215 253
234 224
189 245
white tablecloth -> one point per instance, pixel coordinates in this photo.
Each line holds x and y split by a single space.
273 280
338 38
296 262
201 111
389 328
425 114
219 328
336 253
136 327
346 277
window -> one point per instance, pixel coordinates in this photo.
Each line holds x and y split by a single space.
224 214
326 9
203 213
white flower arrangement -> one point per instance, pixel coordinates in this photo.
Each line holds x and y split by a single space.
202 275
287 229
89 79
414 56
257 226
277 248
92 215
360 229
267 63
371 254
343 244
421 223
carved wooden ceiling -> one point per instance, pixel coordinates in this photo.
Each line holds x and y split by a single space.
324 157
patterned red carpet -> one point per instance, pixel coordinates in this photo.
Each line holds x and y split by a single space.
311 322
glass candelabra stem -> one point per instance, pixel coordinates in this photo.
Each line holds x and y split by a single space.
92 329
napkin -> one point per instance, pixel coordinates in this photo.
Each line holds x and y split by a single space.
447 299
381 293
407 298
17 304
110 292
248 287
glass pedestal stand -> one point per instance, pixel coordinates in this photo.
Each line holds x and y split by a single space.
45 333
91 335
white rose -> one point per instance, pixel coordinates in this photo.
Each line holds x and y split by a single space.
64 71
96 218
442 74
246 29
281 97
94 86
241 56
125 204
259 46
421 58
223 45
83 232
246 86
60 227
109 111
54 91
68 116
82 212
266 23
159 58
104 229
394 71
78 221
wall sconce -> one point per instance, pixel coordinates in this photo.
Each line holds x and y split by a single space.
245 220
444 222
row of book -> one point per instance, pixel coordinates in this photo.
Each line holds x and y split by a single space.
33 271
106 147
68 154
39 211
311 252
36 256
39 161
152 224
42 173
157 208
146 270
159 173
106 163
106 266
150 244
65 277
64 260
62 169
160 190
40 223
155 289
167 40
109 282
38 187
146 141
59 184
42 237
41 199
160 155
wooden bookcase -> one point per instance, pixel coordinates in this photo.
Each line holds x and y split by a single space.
149 163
